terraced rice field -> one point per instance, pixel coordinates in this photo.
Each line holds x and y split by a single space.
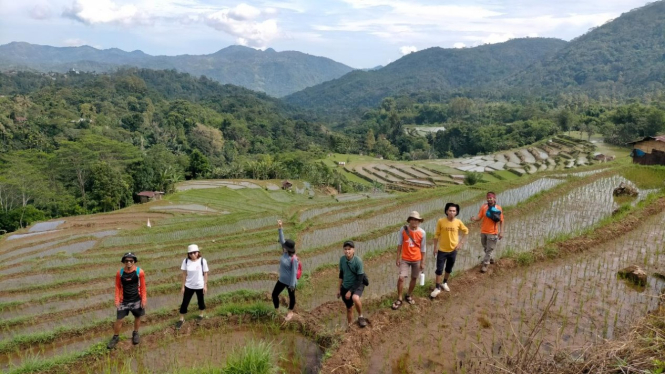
56 288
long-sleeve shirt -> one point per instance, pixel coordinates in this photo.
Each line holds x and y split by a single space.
130 288
288 265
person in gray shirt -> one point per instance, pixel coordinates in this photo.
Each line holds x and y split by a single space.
288 269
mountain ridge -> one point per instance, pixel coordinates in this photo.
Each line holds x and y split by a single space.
269 71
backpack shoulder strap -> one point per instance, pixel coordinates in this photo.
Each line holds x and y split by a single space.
408 233
138 271
122 271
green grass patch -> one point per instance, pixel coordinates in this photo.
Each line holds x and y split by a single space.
645 177
525 258
255 310
254 357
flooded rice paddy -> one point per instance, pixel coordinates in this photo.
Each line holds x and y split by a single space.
65 282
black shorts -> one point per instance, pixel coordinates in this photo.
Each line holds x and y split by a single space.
447 259
133 306
349 302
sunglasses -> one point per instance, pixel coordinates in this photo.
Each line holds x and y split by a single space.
129 261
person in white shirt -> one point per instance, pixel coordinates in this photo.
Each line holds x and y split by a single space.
194 280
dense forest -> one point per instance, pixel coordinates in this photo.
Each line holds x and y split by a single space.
476 126
78 143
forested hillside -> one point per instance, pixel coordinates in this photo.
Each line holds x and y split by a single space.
76 143
275 73
620 59
434 69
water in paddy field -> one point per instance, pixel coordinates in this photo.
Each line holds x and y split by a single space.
579 209
210 348
590 304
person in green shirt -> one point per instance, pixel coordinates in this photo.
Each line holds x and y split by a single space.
351 285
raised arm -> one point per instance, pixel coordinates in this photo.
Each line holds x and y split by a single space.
281 235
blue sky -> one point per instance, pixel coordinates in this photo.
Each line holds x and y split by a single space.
359 33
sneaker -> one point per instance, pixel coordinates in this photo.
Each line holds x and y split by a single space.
362 321
200 318
178 324
289 316
435 293
446 288
114 340
484 268
136 338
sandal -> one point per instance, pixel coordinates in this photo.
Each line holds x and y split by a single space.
397 304
410 300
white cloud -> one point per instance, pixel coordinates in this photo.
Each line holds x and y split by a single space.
73 42
41 12
242 23
92 12
459 45
408 49
498 38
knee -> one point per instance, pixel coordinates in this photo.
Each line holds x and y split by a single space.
438 272
356 299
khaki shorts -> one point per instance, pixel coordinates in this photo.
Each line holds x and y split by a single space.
406 267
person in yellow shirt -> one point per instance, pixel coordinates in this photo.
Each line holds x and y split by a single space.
446 244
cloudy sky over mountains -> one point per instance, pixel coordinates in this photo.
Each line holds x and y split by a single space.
359 33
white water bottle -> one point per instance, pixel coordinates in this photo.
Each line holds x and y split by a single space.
422 278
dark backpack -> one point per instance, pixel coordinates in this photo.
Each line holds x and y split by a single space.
493 213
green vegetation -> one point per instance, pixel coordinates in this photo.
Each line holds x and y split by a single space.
83 143
276 73
647 177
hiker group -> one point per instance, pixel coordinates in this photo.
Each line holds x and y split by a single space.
449 238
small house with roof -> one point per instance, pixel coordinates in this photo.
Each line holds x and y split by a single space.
649 151
147 196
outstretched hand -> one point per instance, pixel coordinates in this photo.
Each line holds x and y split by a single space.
279 223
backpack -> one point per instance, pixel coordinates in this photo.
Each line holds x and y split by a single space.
202 272
493 213
122 271
299 272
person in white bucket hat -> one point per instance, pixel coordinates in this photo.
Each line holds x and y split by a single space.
411 247
194 281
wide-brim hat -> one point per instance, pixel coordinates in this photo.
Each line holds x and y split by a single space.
415 215
448 205
192 248
129 255
289 245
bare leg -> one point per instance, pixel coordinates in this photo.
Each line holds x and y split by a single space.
116 327
412 285
400 287
137 323
438 278
358 304
349 315
445 278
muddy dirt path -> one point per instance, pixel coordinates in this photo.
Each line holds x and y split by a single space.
484 314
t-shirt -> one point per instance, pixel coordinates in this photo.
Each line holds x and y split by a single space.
412 250
448 233
129 287
487 226
350 270
194 280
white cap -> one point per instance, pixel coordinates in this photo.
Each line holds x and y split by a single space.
192 248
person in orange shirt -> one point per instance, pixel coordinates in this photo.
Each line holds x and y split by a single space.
130 296
491 228
410 256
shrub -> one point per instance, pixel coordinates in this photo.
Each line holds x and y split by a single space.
472 177
253 358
